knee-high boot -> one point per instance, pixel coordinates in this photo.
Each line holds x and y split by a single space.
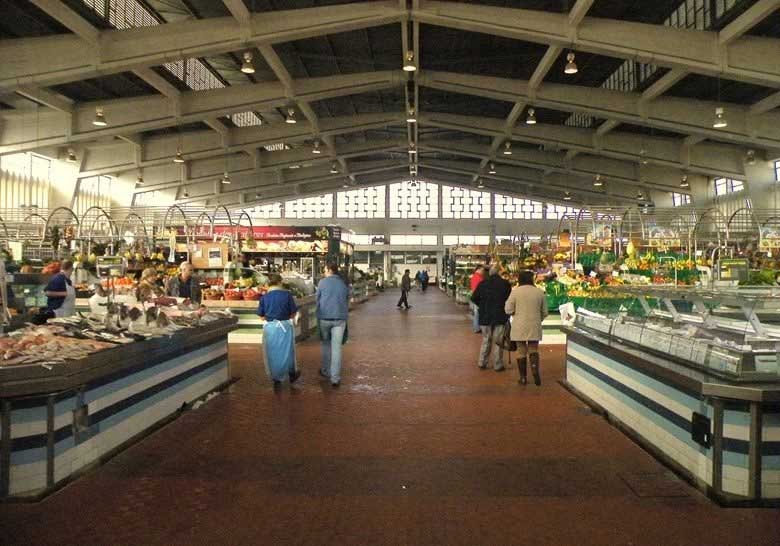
522 365
534 358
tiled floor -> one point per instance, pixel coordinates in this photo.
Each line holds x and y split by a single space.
417 447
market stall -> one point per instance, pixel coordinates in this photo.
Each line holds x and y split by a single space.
77 390
699 390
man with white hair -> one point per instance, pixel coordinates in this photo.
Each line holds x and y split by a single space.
184 285
490 296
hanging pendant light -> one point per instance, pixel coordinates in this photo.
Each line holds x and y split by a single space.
316 149
100 118
640 196
290 116
507 148
247 67
571 66
750 157
720 119
140 180
179 157
410 116
412 149
345 185
480 184
258 195
531 119
186 193
334 168
643 156
684 181
72 156
567 196
598 182
409 65
226 178
492 169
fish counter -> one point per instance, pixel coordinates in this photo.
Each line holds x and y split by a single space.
73 393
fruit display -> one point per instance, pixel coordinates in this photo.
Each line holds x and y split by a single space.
212 294
51 268
252 295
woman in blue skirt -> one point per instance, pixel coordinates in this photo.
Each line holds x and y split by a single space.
278 308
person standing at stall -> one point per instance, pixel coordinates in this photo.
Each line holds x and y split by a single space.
332 312
148 289
528 307
184 285
490 296
406 286
477 277
60 294
278 308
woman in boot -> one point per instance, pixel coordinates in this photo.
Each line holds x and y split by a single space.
527 308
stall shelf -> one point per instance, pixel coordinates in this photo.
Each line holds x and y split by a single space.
699 390
60 419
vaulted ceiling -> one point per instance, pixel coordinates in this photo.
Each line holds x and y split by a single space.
335 66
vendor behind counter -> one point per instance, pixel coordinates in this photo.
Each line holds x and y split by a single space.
185 285
60 293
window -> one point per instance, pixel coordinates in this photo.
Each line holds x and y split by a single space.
419 201
464 203
368 239
680 199
320 206
725 186
512 208
24 181
414 240
269 210
361 203
556 212
450 240
94 191
777 171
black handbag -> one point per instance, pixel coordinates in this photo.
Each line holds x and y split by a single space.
506 342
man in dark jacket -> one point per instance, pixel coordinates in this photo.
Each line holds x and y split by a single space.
490 296
406 286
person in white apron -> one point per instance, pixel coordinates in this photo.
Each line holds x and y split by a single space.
60 293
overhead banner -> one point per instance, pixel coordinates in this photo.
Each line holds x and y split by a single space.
276 233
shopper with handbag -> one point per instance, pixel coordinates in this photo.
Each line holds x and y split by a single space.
490 297
528 307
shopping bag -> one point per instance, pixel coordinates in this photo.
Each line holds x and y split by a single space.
505 342
568 313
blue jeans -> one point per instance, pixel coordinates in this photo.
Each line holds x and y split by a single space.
332 334
474 318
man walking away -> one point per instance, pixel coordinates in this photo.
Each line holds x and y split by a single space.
424 280
477 277
332 312
490 297
406 286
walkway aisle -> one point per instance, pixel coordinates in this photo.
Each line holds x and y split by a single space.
417 447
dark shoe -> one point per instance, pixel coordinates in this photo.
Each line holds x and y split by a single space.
323 374
294 376
277 385
522 365
336 385
481 367
534 358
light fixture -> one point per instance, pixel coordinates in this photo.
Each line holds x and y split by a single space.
643 156
247 67
294 166
531 119
598 182
140 180
100 119
507 148
409 65
179 157
410 116
492 169
684 181
413 183
571 66
226 178
720 119
186 193
640 196
290 116
413 170
316 149
412 149
72 156
567 196
480 184
750 158
345 185
258 195
334 168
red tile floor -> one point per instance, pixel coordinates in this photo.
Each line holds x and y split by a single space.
417 447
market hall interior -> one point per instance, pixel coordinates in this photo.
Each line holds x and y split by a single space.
418 446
